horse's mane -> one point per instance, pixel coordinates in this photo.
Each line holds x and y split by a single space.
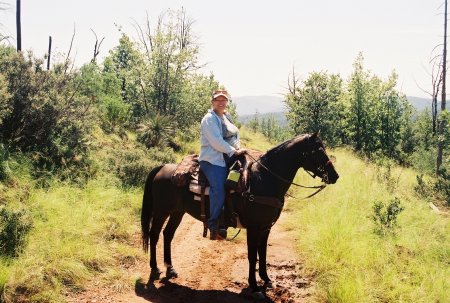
282 146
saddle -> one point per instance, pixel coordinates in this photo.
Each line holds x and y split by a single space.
188 174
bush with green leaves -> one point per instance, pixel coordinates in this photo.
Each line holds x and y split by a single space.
49 116
156 131
132 166
442 186
15 224
422 189
384 171
115 113
5 107
385 216
5 171
437 189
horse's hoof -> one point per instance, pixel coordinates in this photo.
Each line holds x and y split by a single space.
155 274
258 295
254 294
171 273
268 285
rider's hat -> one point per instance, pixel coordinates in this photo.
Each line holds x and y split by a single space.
220 92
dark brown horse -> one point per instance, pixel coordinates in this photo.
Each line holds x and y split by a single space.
269 178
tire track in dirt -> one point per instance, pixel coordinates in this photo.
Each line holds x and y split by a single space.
209 271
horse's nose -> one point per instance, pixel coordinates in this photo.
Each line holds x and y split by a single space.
330 177
334 179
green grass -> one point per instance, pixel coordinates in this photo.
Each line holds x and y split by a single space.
335 238
252 140
78 233
85 233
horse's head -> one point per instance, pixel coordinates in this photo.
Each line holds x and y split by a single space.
317 161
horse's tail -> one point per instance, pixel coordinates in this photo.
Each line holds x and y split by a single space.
147 208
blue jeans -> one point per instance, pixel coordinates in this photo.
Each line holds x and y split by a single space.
216 176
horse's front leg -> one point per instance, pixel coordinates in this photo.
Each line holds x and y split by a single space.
262 255
253 234
169 232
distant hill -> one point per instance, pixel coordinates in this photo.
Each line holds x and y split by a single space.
280 117
419 103
249 105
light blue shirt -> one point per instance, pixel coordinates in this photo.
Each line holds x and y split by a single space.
213 146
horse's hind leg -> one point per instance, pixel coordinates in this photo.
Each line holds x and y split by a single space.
262 255
169 232
155 230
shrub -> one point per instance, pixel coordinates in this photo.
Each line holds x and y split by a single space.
384 173
5 171
422 188
385 216
438 189
47 114
442 186
190 134
132 166
157 131
115 113
15 224
5 107
424 160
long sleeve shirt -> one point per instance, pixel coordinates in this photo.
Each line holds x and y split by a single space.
213 145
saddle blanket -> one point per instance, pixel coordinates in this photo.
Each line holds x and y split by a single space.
197 189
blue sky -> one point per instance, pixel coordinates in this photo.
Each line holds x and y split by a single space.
252 46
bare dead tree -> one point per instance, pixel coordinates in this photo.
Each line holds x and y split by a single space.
443 96
186 38
293 84
96 47
18 26
49 54
185 29
144 38
436 81
66 62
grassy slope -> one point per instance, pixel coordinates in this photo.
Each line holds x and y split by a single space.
84 233
77 233
352 264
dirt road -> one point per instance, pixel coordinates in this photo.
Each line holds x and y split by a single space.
209 272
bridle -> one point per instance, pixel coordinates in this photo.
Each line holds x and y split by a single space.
321 168
319 187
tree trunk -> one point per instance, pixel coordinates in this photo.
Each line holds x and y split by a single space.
444 73
49 51
18 26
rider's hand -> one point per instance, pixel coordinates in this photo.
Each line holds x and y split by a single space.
240 151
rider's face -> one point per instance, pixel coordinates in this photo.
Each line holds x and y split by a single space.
219 104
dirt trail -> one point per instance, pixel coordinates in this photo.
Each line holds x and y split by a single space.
209 272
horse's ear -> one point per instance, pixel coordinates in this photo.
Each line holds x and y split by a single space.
315 134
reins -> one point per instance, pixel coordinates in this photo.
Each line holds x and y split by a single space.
319 187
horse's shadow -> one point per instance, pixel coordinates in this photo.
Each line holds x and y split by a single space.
171 292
